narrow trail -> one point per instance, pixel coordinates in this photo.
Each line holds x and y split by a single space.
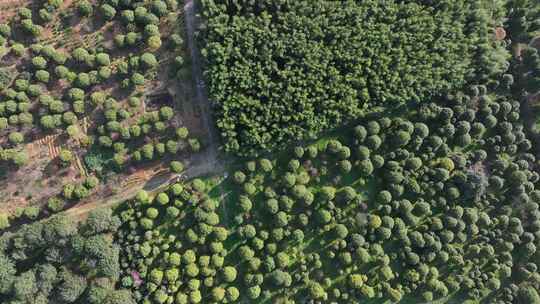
152 187
109 202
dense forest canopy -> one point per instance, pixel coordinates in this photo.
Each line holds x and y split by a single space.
414 176
280 70
61 261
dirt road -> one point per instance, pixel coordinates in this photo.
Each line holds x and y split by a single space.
208 161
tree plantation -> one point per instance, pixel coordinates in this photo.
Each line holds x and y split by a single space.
99 88
270 152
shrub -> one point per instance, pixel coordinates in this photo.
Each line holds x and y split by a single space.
39 63
4 221
5 30
162 198
20 158
103 59
108 11
15 138
65 156
83 80
44 15
182 133
154 42
85 8
97 98
177 167
31 212
176 41
148 61
166 113
42 76
61 71
18 49
80 54
137 79
142 197
229 274
3 123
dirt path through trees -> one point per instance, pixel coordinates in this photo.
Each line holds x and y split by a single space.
153 186
209 162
